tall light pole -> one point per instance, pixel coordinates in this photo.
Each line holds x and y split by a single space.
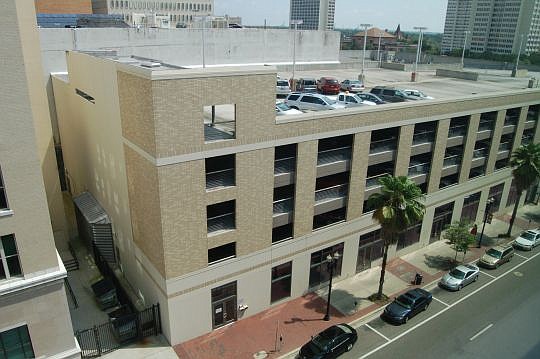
418 51
463 52
379 50
365 26
331 261
295 23
519 52
203 20
489 203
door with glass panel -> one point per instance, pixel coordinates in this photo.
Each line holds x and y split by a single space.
224 305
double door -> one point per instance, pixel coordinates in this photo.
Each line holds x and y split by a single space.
224 305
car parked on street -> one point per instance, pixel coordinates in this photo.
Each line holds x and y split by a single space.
352 85
391 94
352 100
282 87
371 97
459 277
417 93
306 85
496 256
527 240
311 101
328 85
407 306
284 109
330 343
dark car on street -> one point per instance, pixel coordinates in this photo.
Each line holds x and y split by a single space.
407 306
330 343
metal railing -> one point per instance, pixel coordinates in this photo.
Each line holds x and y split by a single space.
284 165
419 169
452 160
374 180
71 293
423 137
222 222
389 144
334 155
339 191
284 205
221 178
455 131
481 152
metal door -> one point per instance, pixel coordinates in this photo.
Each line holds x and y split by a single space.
363 261
224 311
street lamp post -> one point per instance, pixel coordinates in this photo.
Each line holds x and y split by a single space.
331 261
489 203
418 51
295 23
379 50
365 26
463 52
519 52
203 22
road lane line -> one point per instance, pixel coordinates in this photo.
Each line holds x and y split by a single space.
440 301
446 309
489 275
519 255
376 331
480 332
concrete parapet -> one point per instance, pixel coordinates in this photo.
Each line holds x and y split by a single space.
464 75
393 66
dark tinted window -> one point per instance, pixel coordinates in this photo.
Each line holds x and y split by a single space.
293 97
388 92
308 99
222 252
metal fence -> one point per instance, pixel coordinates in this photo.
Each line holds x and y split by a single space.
117 332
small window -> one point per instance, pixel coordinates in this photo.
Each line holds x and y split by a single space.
293 97
318 101
220 171
3 195
220 217
307 99
281 282
219 122
221 253
10 265
351 99
16 343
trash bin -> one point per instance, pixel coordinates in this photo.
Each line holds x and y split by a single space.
418 279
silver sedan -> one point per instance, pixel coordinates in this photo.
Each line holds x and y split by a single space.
459 277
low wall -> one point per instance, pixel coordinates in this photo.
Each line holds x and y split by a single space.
393 66
464 75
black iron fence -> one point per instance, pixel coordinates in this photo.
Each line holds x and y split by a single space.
120 331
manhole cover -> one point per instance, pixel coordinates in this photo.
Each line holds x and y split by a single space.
518 274
260 355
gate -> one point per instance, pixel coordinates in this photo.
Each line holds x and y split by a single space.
118 332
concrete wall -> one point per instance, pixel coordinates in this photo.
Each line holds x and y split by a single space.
465 75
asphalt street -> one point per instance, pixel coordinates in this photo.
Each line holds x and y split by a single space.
495 317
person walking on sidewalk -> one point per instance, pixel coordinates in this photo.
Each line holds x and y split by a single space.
474 230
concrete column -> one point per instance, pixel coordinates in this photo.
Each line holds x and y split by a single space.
495 142
427 223
520 127
458 208
469 148
357 181
537 129
304 198
438 156
504 197
404 150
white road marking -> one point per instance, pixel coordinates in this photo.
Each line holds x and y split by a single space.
489 275
440 301
519 255
480 332
445 309
376 331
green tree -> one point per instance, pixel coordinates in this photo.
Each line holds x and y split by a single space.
459 235
397 207
525 163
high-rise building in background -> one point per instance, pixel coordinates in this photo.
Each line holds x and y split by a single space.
315 14
498 26
63 6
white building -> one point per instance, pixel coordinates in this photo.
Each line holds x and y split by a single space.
315 14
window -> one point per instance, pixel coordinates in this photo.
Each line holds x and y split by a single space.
16 343
281 282
3 196
219 122
221 253
220 217
220 171
9 257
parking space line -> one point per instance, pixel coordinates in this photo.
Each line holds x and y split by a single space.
480 332
489 275
376 331
440 301
519 255
399 336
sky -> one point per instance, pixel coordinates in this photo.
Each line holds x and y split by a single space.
384 14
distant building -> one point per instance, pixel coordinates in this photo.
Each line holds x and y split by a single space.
315 14
63 6
155 13
497 26
373 38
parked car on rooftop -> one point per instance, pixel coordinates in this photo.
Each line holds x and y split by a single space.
284 109
306 85
311 101
527 240
328 85
352 85
330 343
459 277
352 100
371 97
417 93
391 94
282 87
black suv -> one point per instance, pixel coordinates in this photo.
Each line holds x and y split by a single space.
391 94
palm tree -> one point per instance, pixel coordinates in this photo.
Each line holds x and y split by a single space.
397 207
525 162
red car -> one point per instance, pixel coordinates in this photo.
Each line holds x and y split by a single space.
328 85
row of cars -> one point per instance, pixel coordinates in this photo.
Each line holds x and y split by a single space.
340 338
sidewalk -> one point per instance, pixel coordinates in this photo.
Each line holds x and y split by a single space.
298 319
